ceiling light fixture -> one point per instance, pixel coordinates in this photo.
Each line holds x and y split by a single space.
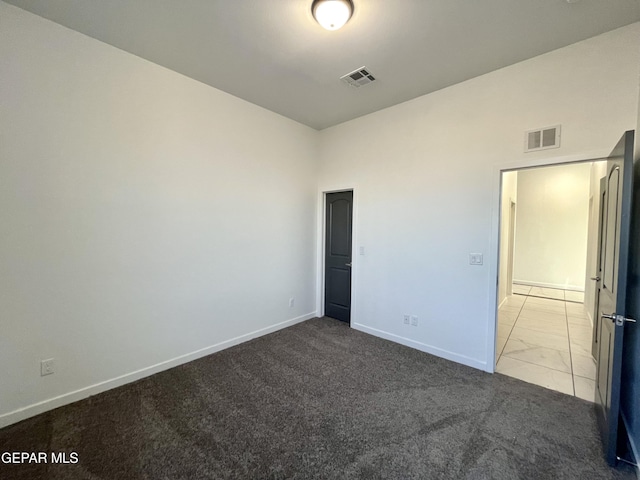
332 14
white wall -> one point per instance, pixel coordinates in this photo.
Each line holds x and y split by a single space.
426 175
552 225
509 196
144 216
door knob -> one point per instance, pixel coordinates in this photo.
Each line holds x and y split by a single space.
347 264
619 320
597 279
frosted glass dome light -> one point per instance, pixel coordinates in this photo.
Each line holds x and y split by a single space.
332 14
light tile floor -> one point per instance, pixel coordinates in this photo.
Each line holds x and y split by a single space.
546 341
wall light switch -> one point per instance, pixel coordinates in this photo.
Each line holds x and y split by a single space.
361 250
475 259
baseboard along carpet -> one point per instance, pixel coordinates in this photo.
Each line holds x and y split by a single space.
317 401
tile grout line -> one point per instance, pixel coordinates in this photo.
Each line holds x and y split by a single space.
545 333
568 336
528 330
510 330
566 319
541 366
513 326
537 364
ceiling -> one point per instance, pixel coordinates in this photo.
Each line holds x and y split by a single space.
272 52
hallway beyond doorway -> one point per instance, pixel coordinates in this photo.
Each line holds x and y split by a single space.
546 341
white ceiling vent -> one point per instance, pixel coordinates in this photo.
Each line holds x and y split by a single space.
542 138
358 77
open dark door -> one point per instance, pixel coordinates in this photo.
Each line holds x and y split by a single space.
337 271
616 222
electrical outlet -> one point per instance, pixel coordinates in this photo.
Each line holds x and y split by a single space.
414 320
292 302
407 319
476 259
46 367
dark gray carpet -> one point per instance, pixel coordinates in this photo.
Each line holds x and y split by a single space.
318 400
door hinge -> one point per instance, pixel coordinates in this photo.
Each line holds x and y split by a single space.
620 459
618 319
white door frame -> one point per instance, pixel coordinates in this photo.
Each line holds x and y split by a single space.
320 247
511 241
494 246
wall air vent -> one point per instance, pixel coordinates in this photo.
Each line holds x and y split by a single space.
358 77
542 138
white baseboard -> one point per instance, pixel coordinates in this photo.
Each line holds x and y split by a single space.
503 302
70 397
529 283
423 347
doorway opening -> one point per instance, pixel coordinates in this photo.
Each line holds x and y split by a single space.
549 225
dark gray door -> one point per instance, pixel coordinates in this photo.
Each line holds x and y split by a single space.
613 288
337 270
